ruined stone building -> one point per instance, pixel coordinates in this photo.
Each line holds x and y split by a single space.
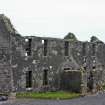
33 63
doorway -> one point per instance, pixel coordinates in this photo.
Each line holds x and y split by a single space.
45 77
28 79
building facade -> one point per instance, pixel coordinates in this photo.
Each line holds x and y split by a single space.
33 63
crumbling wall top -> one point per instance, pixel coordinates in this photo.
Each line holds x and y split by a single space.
6 21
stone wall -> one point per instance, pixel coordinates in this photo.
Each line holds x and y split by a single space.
5 52
46 58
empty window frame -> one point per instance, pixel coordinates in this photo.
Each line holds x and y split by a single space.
28 79
45 77
66 46
94 67
85 67
26 40
67 69
42 41
28 49
45 47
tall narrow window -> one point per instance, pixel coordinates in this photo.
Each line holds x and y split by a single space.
84 49
93 49
28 49
45 77
28 79
66 48
30 40
45 47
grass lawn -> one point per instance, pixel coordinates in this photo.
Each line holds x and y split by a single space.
48 95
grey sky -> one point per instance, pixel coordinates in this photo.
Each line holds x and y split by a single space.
56 18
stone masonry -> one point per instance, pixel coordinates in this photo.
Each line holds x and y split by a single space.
34 63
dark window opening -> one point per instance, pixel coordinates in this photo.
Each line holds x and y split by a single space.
85 67
30 40
28 79
93 49
28 49
84 49
66 48
45 47
67 68
94 67
45 77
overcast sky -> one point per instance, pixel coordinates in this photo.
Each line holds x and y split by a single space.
55 18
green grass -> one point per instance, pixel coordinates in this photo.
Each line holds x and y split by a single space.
48 95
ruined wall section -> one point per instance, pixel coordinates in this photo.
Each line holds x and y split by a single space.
11 56
55 61
50 62
92 60
5 61
18 62
77 52
46 58
100 62
80 55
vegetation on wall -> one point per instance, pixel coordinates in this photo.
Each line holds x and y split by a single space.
95 39
71 37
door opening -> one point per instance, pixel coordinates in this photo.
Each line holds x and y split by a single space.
45 77
28 79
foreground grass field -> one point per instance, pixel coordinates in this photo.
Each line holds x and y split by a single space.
48 95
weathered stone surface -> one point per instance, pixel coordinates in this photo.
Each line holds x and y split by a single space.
18 55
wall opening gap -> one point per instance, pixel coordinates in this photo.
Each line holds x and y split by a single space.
45 47
28 79
28 49
66 48
45 77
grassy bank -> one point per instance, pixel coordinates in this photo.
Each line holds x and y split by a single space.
48 95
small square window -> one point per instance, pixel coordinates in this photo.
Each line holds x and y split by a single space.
42 41
26 40
26 54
